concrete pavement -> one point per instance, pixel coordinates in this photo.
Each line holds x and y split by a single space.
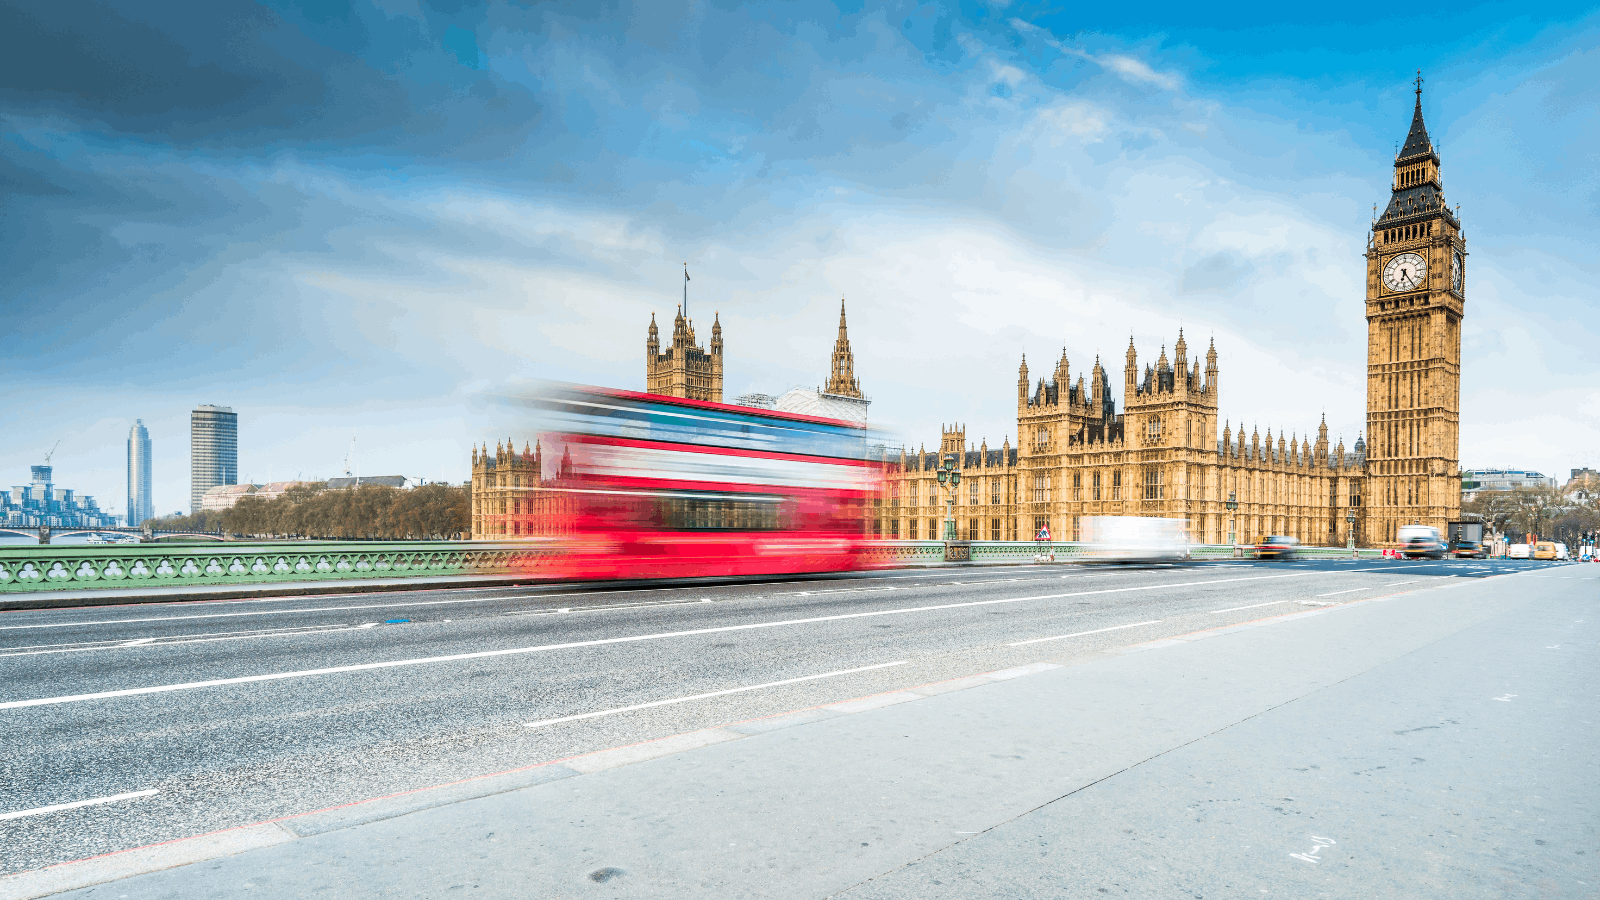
1276 760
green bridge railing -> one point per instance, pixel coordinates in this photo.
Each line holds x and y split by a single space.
59 567
56 566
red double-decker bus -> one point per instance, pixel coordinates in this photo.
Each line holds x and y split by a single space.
662 487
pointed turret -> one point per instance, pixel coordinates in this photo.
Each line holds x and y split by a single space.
716 334
1417 141
842 371
1022 382
1211 369
1131 371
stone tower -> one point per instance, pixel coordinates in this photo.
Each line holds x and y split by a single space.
684 369
842 372
1416 260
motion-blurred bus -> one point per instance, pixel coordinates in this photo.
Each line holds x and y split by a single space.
662 487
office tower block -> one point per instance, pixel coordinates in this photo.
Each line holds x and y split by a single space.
213 450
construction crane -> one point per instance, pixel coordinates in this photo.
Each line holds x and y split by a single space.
51 453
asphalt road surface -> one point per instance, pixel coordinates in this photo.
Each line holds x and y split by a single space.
225 713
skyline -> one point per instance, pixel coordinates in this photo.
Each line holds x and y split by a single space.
976 186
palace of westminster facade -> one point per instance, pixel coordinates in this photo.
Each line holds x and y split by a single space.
1164 455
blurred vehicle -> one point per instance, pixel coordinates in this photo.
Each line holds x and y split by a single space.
1562 552
1466 540
1519 551
1417 541
1544 550
1133 538
111 539
1278 547
660 487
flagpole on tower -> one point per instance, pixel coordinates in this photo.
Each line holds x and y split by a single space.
686 292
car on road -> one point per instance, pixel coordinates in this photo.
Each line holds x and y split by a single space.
1545 550
1420 541
1468 550
1277 546
1562 552
1519 551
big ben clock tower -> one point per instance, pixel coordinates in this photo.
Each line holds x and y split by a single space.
1415 300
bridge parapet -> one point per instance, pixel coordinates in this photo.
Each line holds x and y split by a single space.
79 566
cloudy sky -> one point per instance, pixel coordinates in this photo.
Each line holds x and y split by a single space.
353 220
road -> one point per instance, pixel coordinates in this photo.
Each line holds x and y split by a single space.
329 700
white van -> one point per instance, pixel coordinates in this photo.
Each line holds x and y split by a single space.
1519 551
1562 552
1420 540
1133 538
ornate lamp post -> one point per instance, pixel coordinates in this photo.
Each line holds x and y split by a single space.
950 479
1350 530
1232 504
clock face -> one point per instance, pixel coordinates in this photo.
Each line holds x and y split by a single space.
1405 272
1455 272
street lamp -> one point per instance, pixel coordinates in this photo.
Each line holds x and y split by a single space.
1350 530
1232 504
951 479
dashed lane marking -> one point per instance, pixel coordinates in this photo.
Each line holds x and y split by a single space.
1251 606
114 798
709 694
1062 637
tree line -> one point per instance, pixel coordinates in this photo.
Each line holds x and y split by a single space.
369 512
1550 513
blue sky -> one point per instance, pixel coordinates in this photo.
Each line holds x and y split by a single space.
355 219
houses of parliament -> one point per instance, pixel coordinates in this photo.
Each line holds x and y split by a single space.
1168 452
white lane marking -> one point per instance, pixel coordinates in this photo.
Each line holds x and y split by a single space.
872 590
301 631
127 642
1062 637
492 598
1506 698
738 690
533 597
1351 591
1251 606
485 654
315 609
75 804
1398 583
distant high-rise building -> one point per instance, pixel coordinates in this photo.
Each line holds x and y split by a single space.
42 503
141 505
213 450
